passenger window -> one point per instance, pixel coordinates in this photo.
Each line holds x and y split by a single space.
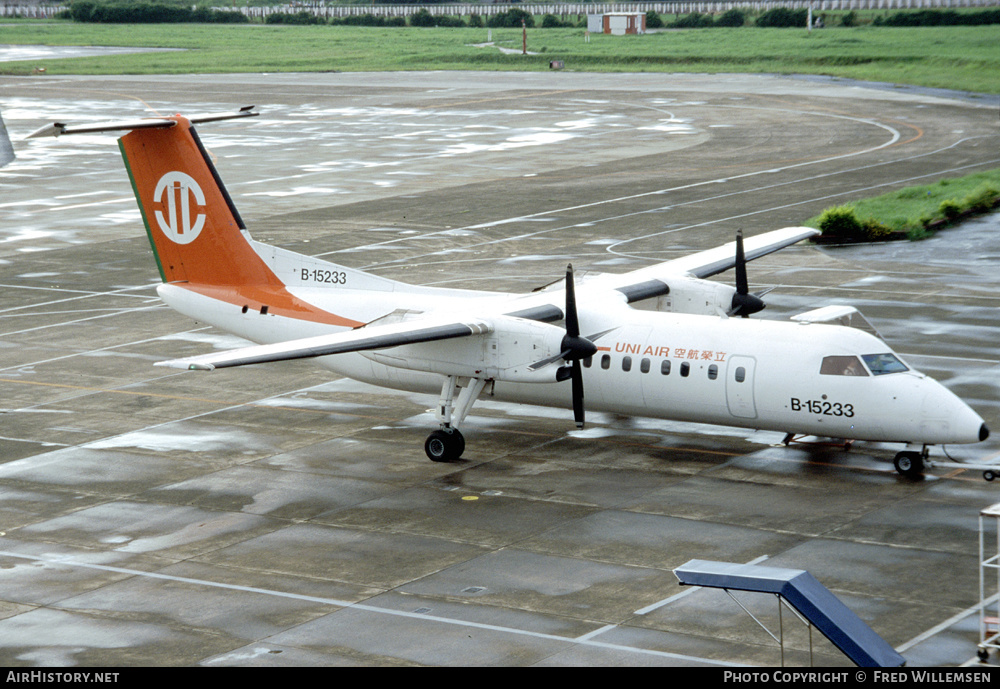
665 367
627 363
588 361
644 365
606 362
685 369
741 374
880 364
713 372
842 366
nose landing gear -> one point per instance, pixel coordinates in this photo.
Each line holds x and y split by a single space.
910 464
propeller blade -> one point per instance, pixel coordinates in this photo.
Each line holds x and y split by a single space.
564 354
578 406
572 322
579 348
742 285
743 303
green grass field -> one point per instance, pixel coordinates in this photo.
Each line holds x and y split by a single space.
915 210
964 58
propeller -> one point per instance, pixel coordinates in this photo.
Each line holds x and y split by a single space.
573 349
744 303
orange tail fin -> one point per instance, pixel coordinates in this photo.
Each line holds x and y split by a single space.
197 234
193 226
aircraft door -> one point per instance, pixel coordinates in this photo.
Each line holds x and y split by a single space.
739 387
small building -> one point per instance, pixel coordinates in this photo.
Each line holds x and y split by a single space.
617 23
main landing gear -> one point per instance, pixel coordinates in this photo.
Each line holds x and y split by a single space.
447 443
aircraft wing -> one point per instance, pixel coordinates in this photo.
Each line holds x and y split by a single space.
652 281
637 285
360 339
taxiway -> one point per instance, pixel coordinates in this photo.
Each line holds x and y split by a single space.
278 515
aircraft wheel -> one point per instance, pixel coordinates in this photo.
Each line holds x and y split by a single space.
444 445
909 464
989 475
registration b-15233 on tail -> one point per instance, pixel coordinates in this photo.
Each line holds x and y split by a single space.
690 354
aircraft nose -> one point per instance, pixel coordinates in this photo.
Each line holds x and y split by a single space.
947 418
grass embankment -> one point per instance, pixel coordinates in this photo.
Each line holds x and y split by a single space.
911 213
965 58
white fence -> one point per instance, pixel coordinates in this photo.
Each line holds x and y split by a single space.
579 8
41 11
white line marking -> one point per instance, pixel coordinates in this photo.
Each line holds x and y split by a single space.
947 623
590 635
43 443
68 561
87 205
80 294
60 324
894 137
29 364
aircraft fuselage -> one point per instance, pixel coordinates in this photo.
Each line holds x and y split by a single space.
748 373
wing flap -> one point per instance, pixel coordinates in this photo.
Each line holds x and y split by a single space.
361 339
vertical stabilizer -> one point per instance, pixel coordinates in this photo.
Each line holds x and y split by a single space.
193 226
199 240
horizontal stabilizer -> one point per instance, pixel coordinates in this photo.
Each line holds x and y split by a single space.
361 339
59 128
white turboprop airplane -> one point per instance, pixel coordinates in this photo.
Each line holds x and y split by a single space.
687 359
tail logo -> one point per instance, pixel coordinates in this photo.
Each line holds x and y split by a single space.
175 191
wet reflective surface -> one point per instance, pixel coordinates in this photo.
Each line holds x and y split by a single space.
282 516
12 53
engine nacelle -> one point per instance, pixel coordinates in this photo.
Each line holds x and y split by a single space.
697 296
504 353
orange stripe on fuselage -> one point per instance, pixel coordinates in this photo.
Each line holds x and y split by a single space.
278 300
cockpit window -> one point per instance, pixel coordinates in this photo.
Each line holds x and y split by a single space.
881 364
842 366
